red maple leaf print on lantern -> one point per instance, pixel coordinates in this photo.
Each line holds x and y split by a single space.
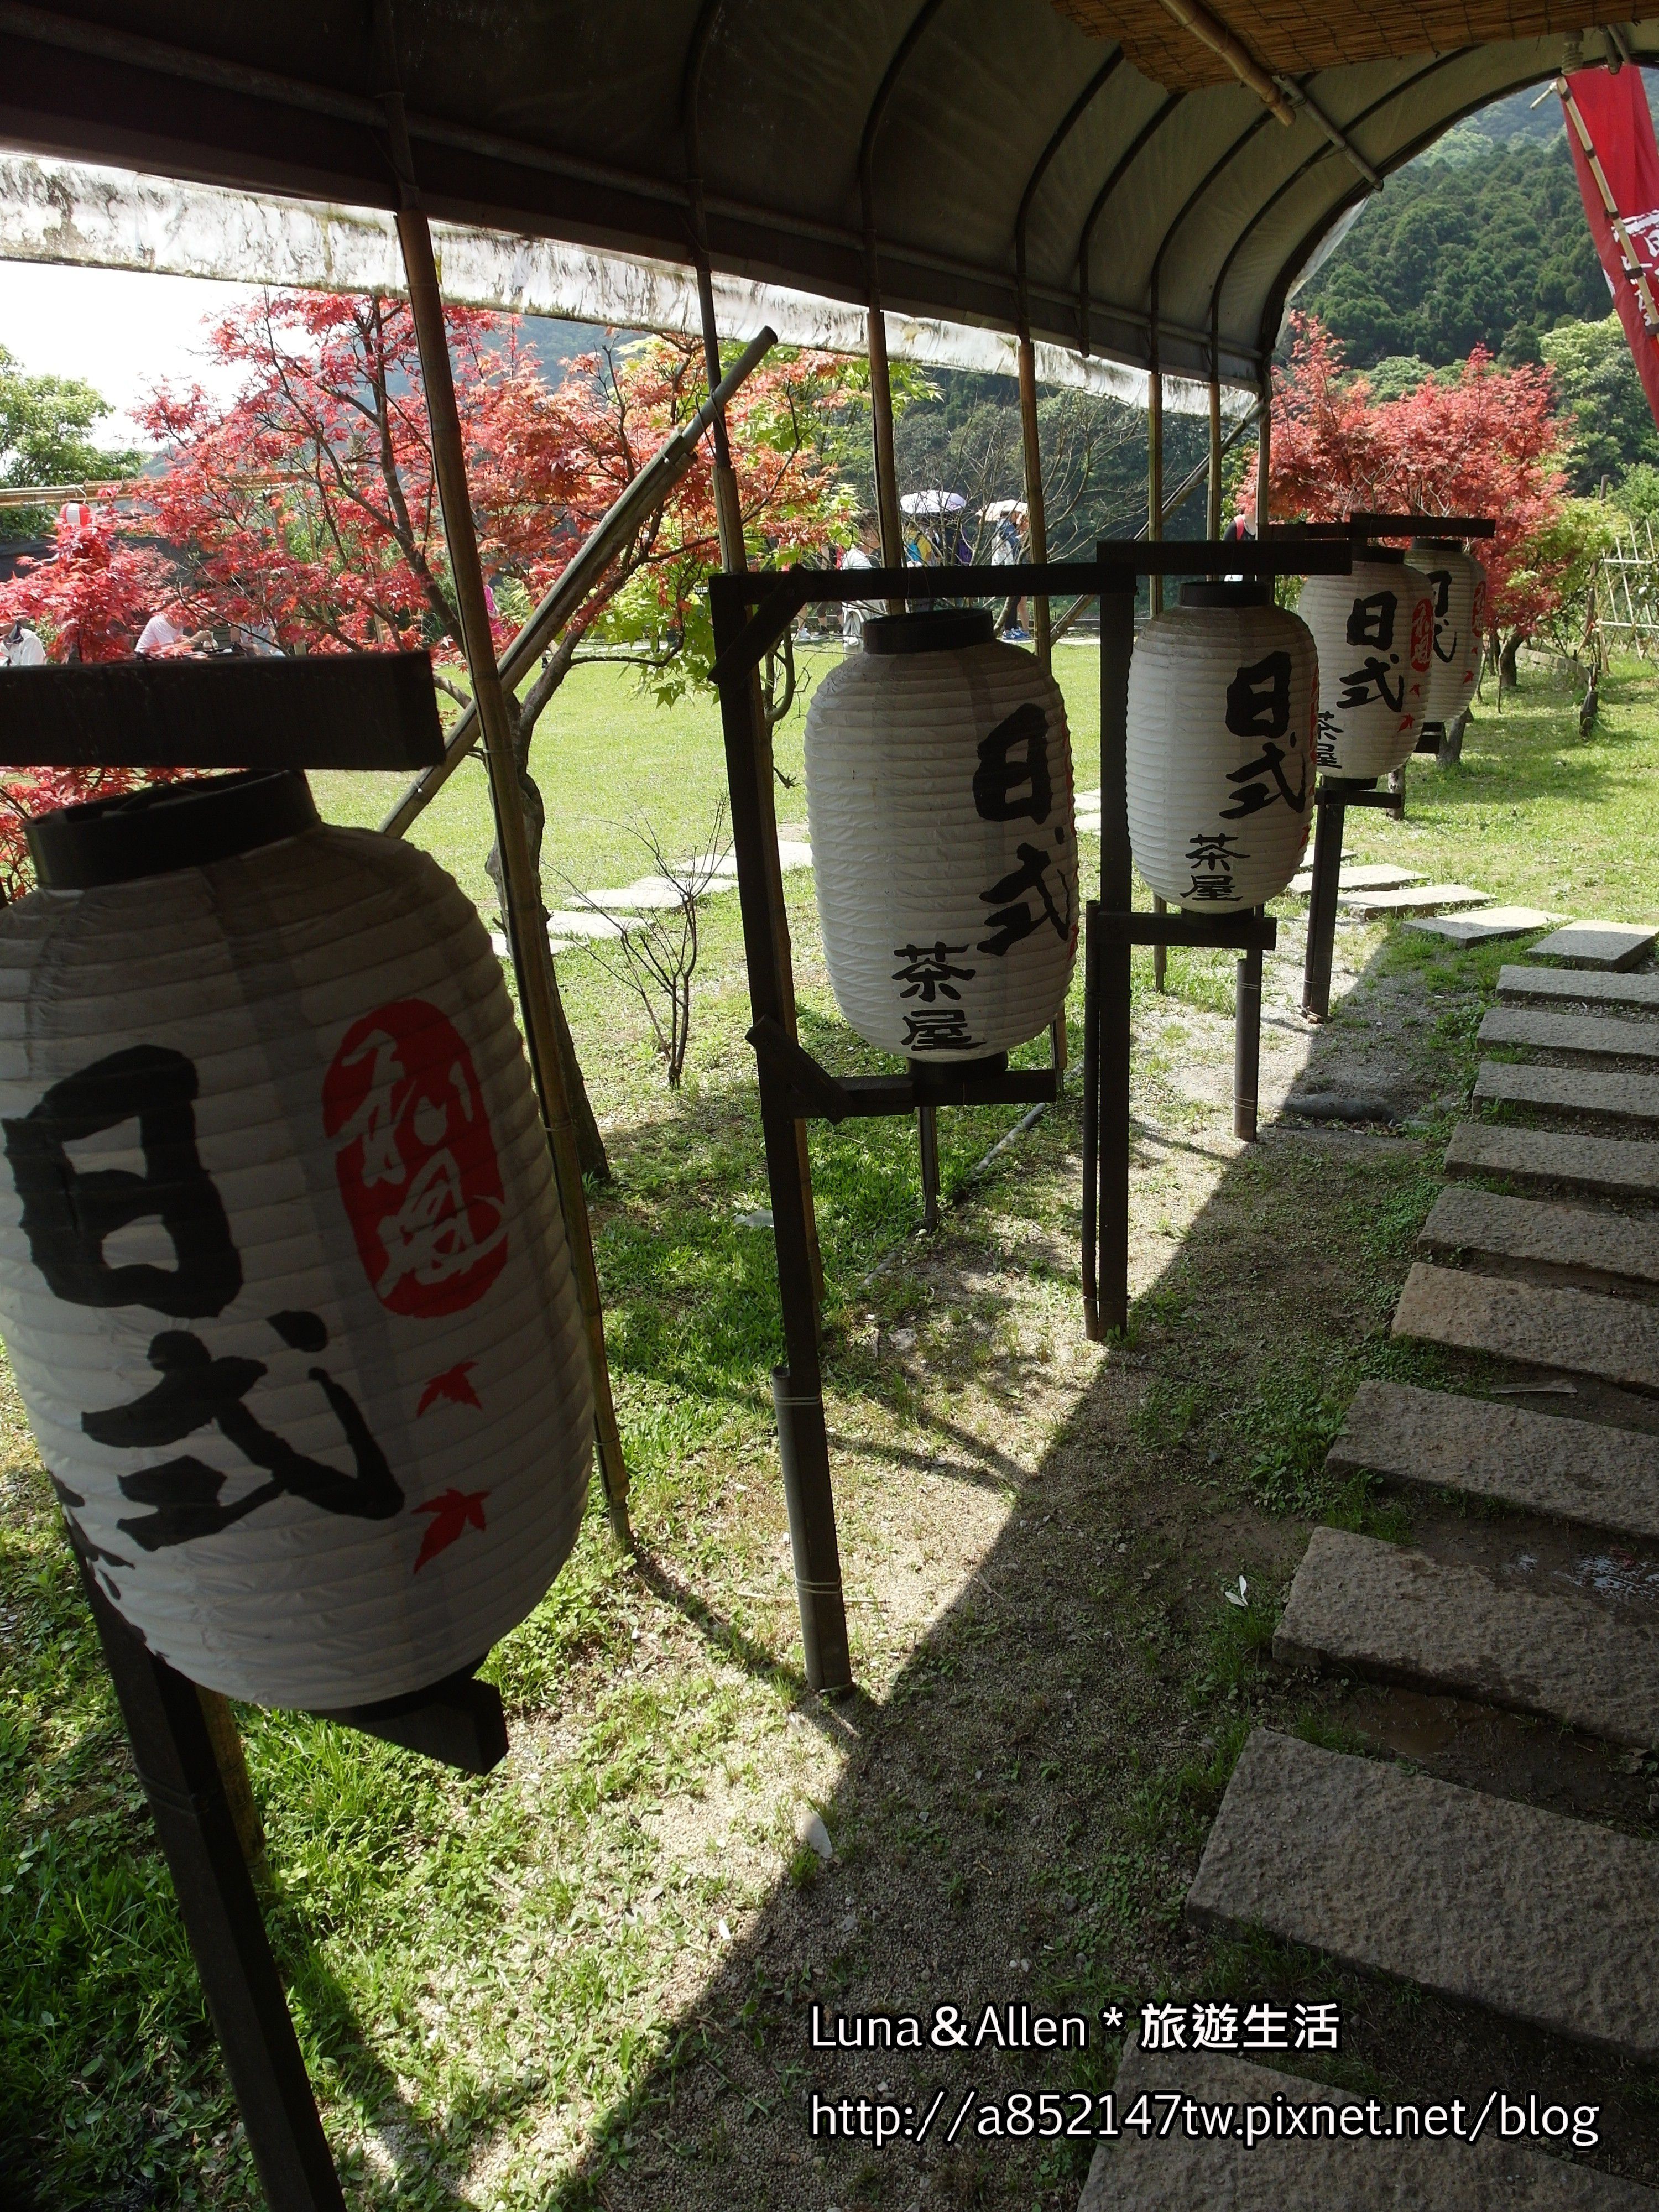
453 1385
450 1513
416 1160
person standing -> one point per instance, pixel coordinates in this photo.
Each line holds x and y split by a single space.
1007 551
864 553
20 647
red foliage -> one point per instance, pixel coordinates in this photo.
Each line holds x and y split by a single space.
305 507
1485 445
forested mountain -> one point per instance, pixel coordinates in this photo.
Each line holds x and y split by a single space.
1486 244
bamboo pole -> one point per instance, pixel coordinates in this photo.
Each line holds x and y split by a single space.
1264 455
532 960
734 559
1155 453
1212 508
1035 516
885 460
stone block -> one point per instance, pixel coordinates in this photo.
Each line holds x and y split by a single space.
1466 1219
1610 1036
1537 1918
1487 927
1584 984
1578 1471
1319 2170
1395 1615
1573 1331
1602 1093
1617 1167
1426 898
1597 943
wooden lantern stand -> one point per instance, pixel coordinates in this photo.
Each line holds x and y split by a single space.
1335 794
750 613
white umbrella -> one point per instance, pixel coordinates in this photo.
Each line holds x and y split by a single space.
932 502
1001 508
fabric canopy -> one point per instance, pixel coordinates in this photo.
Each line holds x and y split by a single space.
1061 164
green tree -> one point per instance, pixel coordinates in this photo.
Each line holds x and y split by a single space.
1492 249
45 425
1613 425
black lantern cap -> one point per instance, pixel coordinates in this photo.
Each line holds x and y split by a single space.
935 629
188 824
1380 553
1254 592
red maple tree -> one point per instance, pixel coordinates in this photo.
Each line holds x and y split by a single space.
1487 443
305 508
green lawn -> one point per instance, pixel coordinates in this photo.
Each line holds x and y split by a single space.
605 756
498 1982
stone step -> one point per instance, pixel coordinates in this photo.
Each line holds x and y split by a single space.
1428 898
1364 876
1575 1331
1583 984
1597 943
1617 1167
1316 2169
1485 927
1541 1918
1547 1031
1568 1470
1469 1219
1398 1616
1596 1092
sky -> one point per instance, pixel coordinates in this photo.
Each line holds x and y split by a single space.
123 331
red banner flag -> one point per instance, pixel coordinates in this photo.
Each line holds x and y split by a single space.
1610 131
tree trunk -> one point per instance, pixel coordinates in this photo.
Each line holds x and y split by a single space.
590 1144
1509 678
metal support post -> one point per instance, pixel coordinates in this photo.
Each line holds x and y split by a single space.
1111 970
928 1144
797 1388
1330 816
1247 1041
173 1750
1160 952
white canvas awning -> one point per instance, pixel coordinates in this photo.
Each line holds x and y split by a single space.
91 218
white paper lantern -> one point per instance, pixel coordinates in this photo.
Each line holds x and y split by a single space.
1224 690
1453 577
938 788
283 1274
1375 632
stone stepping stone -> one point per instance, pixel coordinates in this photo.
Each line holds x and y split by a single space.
1569 1089
1315 2171
652 894
1486 928
794 853
1577 1471
1531 1915
1546 1030
1426 898
1366 876
579 922
1597 943
1469 1219
1582 984
1575 1331
1398 1616
1616 1167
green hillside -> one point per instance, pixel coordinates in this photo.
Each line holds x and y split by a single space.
1481 244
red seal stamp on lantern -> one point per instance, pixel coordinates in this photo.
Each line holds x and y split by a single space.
416 1160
